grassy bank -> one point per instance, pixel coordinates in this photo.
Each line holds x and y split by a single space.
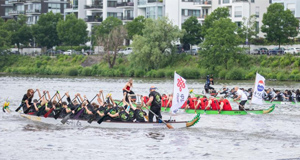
273 67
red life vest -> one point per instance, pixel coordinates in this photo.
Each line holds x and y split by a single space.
128 88
193 102
170 104
203 103
184 105
226 105
164 101
146 99
214 104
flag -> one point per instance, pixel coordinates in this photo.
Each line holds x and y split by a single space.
180 92
258 89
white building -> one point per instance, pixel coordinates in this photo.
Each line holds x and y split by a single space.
293 5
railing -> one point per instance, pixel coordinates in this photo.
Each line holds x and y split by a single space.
93 6
15 12
93 19
127 18
33 11
240 1
153 1
16 1
197 2
33 1
121 4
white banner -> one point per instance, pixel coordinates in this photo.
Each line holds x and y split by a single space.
180 94
258 89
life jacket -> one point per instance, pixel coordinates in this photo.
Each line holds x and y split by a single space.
146 99
226 106
170 104
164 101
139 115
215 104
184 105
193 102
203 103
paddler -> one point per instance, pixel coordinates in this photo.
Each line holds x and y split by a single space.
224 104
213 104
127 89
27 99
155 103
240 96
202 103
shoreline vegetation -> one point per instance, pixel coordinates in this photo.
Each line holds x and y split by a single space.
281 68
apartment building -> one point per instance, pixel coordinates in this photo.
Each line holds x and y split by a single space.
32 8
293 5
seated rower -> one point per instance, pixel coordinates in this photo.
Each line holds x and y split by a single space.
213 104
279 95
170 98
164 100
139 114
123 112
202 103
224 104
191 103
27 99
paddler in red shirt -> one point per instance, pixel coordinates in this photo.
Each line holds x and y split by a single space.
224 104
212 104
202 103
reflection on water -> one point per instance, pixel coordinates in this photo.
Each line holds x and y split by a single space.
272 136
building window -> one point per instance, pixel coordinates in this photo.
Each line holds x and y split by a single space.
187 12
238 11
252 1
238 24
112 14
219 1
270 1
159 12
55 8
257 11
257 27
226 1
111 3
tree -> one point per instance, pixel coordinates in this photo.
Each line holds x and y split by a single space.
156 46
112 42
136 26
18 30
45 32
221 44
72 31
279 24
4 36
221 12
193 34
106 27
248 29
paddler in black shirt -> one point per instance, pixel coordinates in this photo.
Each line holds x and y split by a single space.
155 102
27 99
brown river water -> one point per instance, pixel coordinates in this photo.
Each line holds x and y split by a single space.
270 136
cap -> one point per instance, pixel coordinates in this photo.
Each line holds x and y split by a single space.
152 87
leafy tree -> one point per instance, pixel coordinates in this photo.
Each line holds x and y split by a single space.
248 28
18 30
45 31
220 45
72 31
4 36
112 42
136 26
155 48
193 34
105 27
279 24
221 12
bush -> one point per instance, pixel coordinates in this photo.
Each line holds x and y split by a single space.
275 63
71 71
160 74
235 74
250 75
139 73
191 73
222 74
169 74
282 76
87 71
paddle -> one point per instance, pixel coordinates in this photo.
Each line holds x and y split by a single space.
67 117
81 111
50 111
168 125
93 117
42 109
58 113
24 102
242 107
27 110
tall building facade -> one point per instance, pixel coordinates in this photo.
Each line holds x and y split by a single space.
32 8
293 5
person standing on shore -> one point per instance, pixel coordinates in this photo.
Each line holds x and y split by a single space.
154 103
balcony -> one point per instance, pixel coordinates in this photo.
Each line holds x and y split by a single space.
33 1
93 19
93 7
16 1
126 18
202 3
33 11
13 13
125 5
233 1
143 3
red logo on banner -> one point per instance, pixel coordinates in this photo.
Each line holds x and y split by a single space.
180 84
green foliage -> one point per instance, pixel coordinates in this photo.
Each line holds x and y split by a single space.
220 45
279 24
44 31
217 14
139 73
155 48
72 31
87 71
191 73
248 28
72 71
282 76
193 34
136 26
235 74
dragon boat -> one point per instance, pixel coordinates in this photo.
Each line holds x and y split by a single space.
105 124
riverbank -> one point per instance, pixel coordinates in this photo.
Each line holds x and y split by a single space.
280 68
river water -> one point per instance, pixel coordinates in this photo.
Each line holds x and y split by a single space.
271 136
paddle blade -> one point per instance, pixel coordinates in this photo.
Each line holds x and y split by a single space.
169 126
18 108
57 114
78 114
92 119
66 118
49 112
101 119
27 110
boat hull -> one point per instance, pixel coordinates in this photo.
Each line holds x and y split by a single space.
127 125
